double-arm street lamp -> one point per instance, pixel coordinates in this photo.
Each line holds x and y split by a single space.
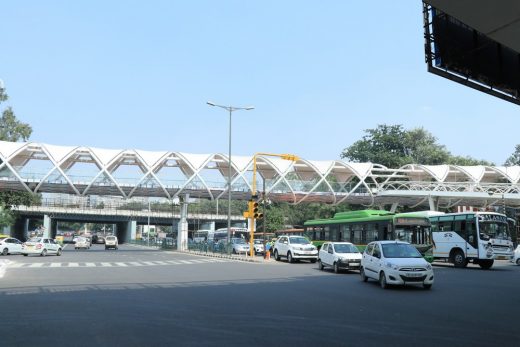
230 109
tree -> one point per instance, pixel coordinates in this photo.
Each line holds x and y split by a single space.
393 147
514 159
11 129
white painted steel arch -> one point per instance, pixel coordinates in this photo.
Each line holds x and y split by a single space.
332 181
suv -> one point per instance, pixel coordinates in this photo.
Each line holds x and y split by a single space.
295 248
339 255
395 262
110 242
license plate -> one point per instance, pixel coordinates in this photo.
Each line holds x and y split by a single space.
413 274
29 247
353 264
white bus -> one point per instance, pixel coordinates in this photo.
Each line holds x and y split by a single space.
221 234
479 237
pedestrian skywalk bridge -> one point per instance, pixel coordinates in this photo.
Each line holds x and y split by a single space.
127 173
53 265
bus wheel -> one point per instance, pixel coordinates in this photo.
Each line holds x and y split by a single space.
459 260
486 264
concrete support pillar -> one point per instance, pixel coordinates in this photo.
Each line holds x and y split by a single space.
394 207
47 226
131 230
25 229
434 203
6 231
208 226
182 234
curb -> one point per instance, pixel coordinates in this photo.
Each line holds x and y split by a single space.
223 256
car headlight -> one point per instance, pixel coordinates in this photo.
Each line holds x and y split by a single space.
391 266
428 266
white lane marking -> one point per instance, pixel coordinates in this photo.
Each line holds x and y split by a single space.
90 264
106 264
121 264
148 263
173 262
55 265
36 265
185 261
73 264
135 263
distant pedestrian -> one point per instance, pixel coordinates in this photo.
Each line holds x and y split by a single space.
267 253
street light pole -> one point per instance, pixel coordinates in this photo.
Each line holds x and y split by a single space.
230 109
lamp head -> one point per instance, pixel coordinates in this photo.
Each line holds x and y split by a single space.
210 103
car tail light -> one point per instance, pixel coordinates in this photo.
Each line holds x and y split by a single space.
38 246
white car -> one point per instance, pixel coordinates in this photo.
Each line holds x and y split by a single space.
395 262
295 248
339 256
41 246
259 246
10 245
111 242
516 256
81 242
239 246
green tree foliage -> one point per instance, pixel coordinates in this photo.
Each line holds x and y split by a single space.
514 159
393 147
11 129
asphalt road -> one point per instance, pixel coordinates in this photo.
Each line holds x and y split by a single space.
140 297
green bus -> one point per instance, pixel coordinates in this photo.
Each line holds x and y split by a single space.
365 226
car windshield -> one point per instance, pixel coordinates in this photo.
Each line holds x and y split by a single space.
400 250
299 240
345 248
259 241
239 241
110 238
34 239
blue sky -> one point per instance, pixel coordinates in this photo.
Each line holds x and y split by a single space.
137 74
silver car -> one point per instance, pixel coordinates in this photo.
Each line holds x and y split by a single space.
41 246
239 246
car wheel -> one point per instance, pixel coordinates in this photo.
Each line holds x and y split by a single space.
518 261
320 264
25 255
427 286
58 253
364 278
290 258
382 280
313 261
43 253
336 268
276 255
106 248
5 251
116 248
459 260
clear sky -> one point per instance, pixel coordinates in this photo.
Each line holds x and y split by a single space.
137 74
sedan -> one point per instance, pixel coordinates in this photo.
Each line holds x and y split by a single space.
82 242
10 245
395 262
339 256
41 246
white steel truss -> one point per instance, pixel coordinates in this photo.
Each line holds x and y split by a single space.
333 181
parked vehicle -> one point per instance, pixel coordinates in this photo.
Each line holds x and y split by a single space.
516 257
239 245
295 248
81 242
111 242
339 256
395 262
10 245
41 246
259 246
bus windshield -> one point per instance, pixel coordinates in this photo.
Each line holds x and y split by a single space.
416 235
494 230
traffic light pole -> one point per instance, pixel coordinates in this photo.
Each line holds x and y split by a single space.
254 196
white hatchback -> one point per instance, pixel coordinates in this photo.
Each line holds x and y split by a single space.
10 245
516 256
111 242
81 242
339 256
41 246
395 262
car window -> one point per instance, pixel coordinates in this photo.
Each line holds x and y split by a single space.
369 249
377 251
325 247
331 249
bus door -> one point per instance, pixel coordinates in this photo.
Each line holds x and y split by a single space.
464 226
